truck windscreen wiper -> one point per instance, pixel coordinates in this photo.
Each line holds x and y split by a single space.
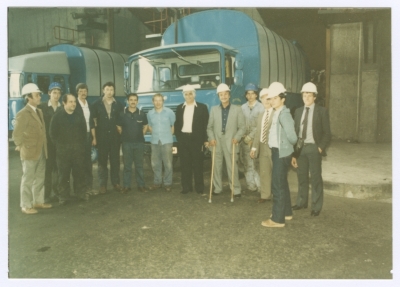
183 59
151 61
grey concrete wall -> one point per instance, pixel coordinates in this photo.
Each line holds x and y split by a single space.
384 51
360 91
130 34
344 79
31 29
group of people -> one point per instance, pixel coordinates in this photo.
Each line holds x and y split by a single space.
55 141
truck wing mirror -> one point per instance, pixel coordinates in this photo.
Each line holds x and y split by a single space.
238 80
239 61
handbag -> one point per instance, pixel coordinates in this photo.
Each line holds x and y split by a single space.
298 147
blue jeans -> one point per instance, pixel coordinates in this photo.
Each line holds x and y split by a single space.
162 154
133 153
280 187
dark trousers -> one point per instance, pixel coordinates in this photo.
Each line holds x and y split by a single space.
310 161
108 150
51 173
191 158
87 163
133 153
281 206
70 159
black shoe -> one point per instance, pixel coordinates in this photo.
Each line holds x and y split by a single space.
213 193
237 195
200 192
314 213
185 191
296 207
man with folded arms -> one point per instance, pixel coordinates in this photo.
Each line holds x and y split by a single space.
132 125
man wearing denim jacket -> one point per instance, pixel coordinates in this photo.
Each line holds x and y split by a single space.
282 137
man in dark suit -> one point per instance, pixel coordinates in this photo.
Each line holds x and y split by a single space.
82 106
30 139
191 134
49 108
106 111
68 133
312 125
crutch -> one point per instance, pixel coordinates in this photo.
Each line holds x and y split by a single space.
233 168
212 173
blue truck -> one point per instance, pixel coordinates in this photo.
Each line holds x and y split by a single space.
68 65
211 47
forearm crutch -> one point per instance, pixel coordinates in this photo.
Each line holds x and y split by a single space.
233 168
212 173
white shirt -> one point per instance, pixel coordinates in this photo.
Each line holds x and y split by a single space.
188 117
50 105
86 113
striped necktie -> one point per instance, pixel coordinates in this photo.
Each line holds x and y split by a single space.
264 131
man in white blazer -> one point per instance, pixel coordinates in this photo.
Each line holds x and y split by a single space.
225 128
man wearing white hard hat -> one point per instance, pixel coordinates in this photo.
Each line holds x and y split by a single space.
226 127
282 137
191 134
260 148
312 125
251 109
30 139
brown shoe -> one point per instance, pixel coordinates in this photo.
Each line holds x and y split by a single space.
270 223
262 200
154 186
142 189
117 187
168 188
103 189
42 205
27 210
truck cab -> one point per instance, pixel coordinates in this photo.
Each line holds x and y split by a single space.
167 69
39 68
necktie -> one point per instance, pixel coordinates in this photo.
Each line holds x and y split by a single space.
264 132
305 122
37 112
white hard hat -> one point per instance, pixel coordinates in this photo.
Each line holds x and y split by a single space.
30 88
309 87
263 92
188 88
222 88
275 89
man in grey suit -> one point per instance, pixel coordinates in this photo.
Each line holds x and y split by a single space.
225 128
260 148
312 125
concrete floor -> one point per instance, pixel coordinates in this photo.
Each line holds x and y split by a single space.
169 235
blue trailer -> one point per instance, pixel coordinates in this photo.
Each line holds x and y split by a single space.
212 47
68 65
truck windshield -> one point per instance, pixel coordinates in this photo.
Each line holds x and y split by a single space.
172 70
